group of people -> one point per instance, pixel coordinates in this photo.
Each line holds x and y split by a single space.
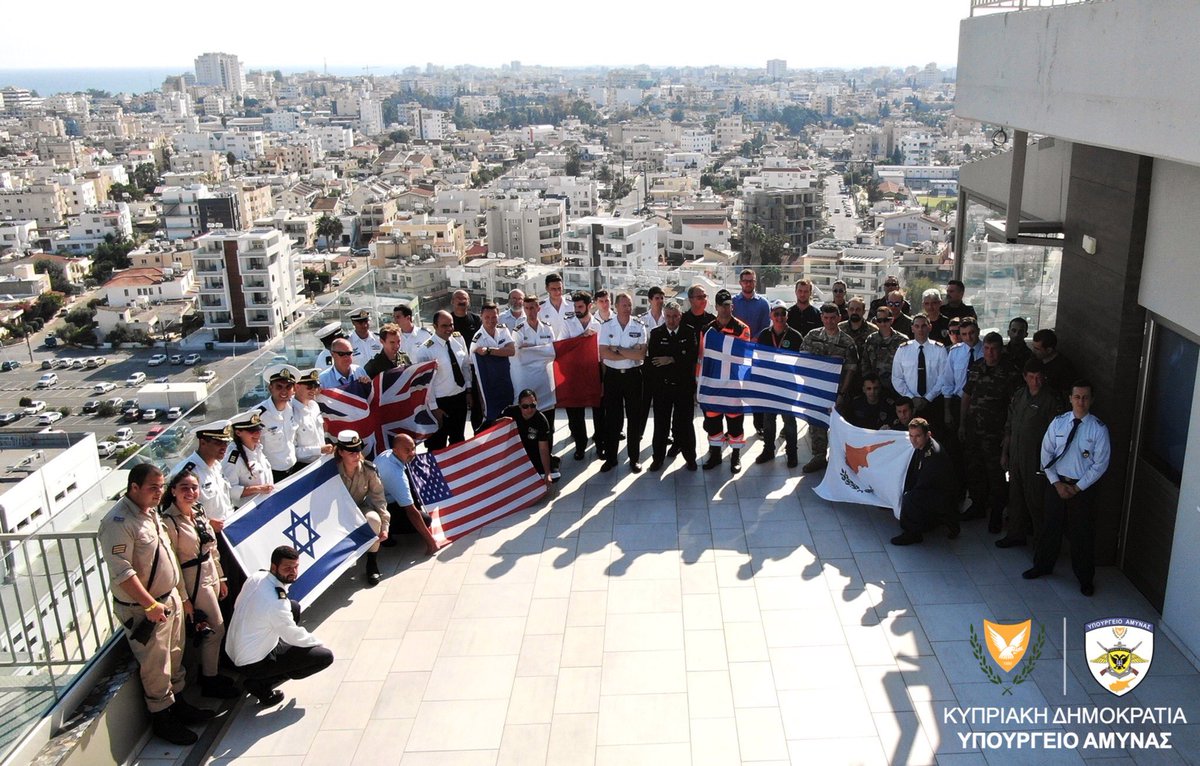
999 424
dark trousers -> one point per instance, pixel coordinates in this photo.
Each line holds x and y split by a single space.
935 413
725 429
769 433
1075 517
577 423
454 422
922 512
286 663
984 476
673 408
623 404
1026 499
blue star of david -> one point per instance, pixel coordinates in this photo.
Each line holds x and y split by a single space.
302 522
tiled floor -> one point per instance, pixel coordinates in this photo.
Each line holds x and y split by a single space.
690 618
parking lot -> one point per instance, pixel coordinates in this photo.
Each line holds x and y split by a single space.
76 386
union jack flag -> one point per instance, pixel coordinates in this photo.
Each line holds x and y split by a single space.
397 403
472 483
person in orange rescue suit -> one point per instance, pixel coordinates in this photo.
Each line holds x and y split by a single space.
725 428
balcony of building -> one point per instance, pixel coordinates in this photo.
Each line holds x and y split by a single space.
254 265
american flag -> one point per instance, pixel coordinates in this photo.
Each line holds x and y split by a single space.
472 483
397 404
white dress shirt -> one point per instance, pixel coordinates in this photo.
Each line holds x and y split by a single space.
262 618
310 431
482 339
434 350
279 434
410 341
214 489
1086 459
958 360
557 317
904 369
632 334
511 320
254 470
574 328
652 323
366 348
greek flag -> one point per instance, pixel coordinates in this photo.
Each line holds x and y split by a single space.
312 512
740 376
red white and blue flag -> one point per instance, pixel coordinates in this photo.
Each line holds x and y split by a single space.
398 403
472 483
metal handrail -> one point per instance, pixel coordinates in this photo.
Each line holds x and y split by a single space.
1004 6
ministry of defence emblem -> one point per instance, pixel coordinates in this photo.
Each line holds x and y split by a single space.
1007 645
1123 644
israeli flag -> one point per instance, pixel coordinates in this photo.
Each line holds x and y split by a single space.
311 511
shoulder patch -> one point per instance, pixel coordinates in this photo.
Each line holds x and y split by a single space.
456 334
281 593
262 408
478 335
428 343
188 467
118 549
521 325
368 464
118 518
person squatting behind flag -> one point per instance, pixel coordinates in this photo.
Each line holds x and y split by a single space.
725 428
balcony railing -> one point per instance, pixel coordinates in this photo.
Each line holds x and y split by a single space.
980 7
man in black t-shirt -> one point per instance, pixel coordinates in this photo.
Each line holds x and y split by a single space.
534 430
803 317
698 317
870 410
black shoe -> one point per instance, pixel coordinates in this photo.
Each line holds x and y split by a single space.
735 461
691 465
907 538
635 466
973 512
1087 589
673 451
1009 542
621 436
218 687
764 457
953 531
656 464
373 577
186 713
714 458
578 453
608 466
166 726
265 695
793 461
814 465
1033 573
670 440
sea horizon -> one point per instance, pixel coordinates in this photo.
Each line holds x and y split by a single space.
132 80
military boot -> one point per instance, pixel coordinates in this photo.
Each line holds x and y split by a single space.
373 576
714 458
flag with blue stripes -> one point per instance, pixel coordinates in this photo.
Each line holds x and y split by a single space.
741 376
311 511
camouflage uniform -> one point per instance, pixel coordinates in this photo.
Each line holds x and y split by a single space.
860 335
1028 418
991 389
843 347
878 353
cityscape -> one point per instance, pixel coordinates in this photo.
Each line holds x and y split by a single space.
169 234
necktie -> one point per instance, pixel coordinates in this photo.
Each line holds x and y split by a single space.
921 371
1070 437
459 380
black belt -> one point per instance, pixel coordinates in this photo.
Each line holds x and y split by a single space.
1068 480
623 370
158 599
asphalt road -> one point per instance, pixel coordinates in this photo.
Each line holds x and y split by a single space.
845 226
76 386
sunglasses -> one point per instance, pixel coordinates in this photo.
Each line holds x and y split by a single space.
895 303
343 353
882 319
529 406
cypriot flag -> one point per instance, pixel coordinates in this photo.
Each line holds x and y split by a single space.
865 466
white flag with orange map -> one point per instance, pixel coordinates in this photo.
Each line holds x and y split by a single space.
865 467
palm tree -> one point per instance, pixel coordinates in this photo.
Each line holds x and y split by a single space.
330 228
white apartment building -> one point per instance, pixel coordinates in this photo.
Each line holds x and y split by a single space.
51 472
17 235
695 230
862 267
221 70
730 132
492 279
43 202
432 124
283 122
776 69
89 229
917 148
370 116
251 282
180 216
464 207
604 252
149 285
475 107
333 138
524 226
695 140
244 146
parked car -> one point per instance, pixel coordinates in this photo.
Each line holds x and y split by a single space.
176 358
35 407
103 388
163 379
92 362
125 444
153 432
8 417
149 414
116 402
124 434
48 379
62 364
49 418
136 379
208 376
78 364
191 359
156 360
91 405
47 364
101 360
106 449
131 415
174 413
10 364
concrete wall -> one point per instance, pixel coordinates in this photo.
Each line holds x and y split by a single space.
1047 173
1118 74
1168 289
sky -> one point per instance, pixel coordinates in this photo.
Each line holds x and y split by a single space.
389 36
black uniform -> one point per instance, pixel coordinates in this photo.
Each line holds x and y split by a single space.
380 363
928 494
466 326
877 416
698 323
533 432
958 312
674 387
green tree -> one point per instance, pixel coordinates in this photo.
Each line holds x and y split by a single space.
125 192
677 115
896 157
574 167
331 229
399 136
48 304
146 177
111 254
58 276
604 174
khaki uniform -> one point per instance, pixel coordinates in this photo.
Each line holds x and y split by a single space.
367 490
1028 418
842 346
878 353
131 538
201 567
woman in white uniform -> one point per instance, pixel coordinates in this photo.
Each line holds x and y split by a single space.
246 468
